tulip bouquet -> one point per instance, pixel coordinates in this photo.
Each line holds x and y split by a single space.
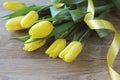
68 22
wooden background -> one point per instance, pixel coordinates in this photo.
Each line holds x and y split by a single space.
16 64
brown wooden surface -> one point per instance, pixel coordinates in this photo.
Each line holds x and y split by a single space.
16 64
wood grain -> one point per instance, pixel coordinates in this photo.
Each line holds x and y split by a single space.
16 64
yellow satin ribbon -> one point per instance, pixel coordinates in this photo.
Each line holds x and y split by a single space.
114 47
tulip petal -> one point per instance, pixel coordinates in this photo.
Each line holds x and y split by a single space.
73 52
14 24
29 19
34 45
14 6
41 29
57 46
65 51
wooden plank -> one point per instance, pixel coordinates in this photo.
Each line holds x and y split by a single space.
52 69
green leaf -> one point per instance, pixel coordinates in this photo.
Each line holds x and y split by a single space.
102 32
117 3
77 15
103 14
21 38
44 11
64 34
63 15
54 11
103 8
73 1
100 2
31 40
61 28
58 13
47 19
23 11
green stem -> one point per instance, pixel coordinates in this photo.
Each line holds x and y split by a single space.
66 33
47 19
82 36
77 37
85 35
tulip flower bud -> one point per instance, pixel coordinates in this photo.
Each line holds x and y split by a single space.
57 46
41 29
29 19
34 45
14 24
71 51
58 5
14 6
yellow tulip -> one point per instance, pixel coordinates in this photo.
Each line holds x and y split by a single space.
57 46
14 24
58 5
71 51
29 19
41 29
34 45
14 6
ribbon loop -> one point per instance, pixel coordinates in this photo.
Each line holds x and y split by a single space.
114 47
